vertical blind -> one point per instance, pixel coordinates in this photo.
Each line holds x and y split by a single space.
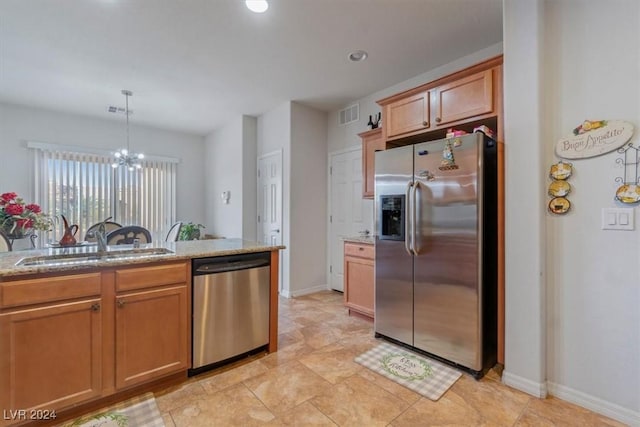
86 190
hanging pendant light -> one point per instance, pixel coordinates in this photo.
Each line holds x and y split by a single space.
124 156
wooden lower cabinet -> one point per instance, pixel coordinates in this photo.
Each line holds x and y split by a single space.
359 278
51 357
55 354
151 335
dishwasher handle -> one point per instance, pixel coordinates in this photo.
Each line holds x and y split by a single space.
222 267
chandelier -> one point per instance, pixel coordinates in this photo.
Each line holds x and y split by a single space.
124 156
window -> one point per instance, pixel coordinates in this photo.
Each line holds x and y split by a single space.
82 186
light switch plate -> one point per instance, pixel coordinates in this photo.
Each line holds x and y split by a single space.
618 219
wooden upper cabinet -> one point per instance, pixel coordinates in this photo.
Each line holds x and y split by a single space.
407 115
372 141
467 97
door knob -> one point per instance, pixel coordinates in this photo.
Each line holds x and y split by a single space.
276 230
438 119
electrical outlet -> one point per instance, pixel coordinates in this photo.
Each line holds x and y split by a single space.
618 219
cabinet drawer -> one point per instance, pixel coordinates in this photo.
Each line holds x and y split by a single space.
360 250
34 291
147 277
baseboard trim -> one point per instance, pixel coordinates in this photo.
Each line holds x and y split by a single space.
307 291
285 293
526 385
595 404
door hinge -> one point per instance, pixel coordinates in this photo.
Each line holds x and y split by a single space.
330 170
331 269
258 218
258 173
331 218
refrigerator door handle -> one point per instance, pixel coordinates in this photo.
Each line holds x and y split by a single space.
407 220
415 247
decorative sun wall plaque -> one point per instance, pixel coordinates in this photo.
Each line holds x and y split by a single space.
594 138
629 191
559 187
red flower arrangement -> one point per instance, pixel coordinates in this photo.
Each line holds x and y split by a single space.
18 218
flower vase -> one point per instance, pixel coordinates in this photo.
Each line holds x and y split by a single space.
18 233
21 238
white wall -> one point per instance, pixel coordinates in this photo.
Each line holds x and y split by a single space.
250 177
300 132
593 70
525 330
274 133
590 68
223 172
231 166
308 200
19 124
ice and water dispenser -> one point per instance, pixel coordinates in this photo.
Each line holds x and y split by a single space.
392 211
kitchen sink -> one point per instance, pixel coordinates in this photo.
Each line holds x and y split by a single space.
92 257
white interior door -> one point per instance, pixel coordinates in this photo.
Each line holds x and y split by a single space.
347 210
270 198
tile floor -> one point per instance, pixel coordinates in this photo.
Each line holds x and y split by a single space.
313 380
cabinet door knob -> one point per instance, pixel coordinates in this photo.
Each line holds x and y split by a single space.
121 303
425 123
438 119
95 307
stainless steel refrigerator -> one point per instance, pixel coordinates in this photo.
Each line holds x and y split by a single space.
436 249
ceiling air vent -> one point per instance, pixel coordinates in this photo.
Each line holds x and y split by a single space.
349 115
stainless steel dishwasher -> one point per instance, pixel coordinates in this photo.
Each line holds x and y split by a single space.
230 308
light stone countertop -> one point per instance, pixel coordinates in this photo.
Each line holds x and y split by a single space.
367 240
182 250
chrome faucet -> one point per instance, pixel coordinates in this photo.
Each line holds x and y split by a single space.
101 236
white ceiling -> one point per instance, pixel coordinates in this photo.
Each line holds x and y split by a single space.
194 64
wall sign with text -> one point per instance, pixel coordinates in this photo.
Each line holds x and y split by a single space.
594 138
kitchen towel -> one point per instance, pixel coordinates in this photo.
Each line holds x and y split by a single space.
140 411
416 372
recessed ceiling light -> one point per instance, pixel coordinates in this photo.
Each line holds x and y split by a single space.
257 6
358 56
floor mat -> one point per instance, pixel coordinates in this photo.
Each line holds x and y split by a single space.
140 411
416 372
